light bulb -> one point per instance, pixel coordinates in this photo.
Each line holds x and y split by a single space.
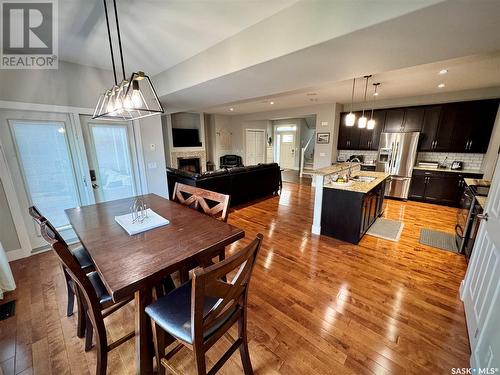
136 98
370 124
362 122
350 119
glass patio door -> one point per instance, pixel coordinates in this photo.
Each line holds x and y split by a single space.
112 159
40 152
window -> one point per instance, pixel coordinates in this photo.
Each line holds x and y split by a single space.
287 138
47 167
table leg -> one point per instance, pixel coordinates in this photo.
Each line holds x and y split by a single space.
143 339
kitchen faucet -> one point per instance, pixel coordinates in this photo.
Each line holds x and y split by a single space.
349 172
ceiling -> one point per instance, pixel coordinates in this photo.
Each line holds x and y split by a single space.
166 31
465 73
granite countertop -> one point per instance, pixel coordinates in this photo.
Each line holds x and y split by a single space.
481 200
361 187
336 168
476 181
448 170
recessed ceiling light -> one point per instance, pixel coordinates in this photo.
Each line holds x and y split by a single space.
311 94
231 109
271 102
441 85
375 94
443 71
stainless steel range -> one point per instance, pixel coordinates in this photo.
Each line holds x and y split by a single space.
396 155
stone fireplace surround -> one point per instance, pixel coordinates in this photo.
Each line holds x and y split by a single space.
174 155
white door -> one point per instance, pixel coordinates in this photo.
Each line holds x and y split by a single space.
112 159
481 288
287 150
40 150
255 146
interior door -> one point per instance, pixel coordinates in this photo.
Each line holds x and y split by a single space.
287 150
481 288
41 154
112 159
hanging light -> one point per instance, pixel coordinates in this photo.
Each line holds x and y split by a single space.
350 119
363 120
132 98
371 122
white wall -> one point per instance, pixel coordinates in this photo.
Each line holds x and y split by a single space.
154 155
8 234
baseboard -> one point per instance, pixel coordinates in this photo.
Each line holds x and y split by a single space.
13 255
315 229
461 290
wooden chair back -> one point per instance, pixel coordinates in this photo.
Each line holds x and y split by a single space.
202 200
52 233
209 282
36 214
60 247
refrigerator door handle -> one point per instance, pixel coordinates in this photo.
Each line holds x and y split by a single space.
395 158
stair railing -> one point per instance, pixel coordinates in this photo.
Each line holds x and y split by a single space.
303 153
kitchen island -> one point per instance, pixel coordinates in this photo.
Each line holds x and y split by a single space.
346 210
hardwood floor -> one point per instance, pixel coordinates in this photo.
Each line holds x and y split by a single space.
317 305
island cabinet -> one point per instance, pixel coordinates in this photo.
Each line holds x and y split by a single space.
347 215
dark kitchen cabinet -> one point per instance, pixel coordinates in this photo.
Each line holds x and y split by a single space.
442 140
430 125
480 132
394 120
379 117
438 187
413 119
349 136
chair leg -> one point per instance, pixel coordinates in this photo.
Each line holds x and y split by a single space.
159 344
245 354
89 333
71 294
199 359
81 320
222 256
102 355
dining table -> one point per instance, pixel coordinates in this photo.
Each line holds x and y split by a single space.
133 264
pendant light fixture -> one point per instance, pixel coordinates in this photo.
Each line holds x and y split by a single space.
371 122
350 118
363 120
132 98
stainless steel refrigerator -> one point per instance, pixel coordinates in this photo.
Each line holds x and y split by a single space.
397 153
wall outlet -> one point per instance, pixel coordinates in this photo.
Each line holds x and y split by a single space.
152 147
152 165
324 123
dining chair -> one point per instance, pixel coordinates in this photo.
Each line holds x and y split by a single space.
208 202
199 312
98 304
85 263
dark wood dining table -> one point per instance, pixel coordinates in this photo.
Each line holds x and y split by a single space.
133 265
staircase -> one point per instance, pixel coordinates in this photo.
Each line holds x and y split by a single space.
306 161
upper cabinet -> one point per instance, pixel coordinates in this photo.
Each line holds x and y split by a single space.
452 127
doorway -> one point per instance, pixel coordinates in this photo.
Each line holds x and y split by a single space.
255 146
112 159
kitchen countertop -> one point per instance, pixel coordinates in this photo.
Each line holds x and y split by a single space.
481 200
336 168
448 170
476 181
361 187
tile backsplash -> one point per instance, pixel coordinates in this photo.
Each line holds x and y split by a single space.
346 154
471 161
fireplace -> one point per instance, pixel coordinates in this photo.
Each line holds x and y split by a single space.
189 164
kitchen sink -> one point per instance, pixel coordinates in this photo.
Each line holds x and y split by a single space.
363 178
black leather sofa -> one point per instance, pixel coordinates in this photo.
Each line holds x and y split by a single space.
243 184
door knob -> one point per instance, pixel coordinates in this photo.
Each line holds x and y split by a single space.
482 216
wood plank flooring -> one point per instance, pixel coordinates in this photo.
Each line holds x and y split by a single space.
317 305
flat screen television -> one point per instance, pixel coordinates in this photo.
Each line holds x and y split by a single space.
185 138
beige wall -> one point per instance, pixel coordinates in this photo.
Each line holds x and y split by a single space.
8 234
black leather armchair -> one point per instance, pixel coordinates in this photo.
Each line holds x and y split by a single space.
230 161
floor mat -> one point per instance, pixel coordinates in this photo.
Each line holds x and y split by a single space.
441 240
386 229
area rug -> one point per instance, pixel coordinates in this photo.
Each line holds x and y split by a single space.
438 239
386 229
